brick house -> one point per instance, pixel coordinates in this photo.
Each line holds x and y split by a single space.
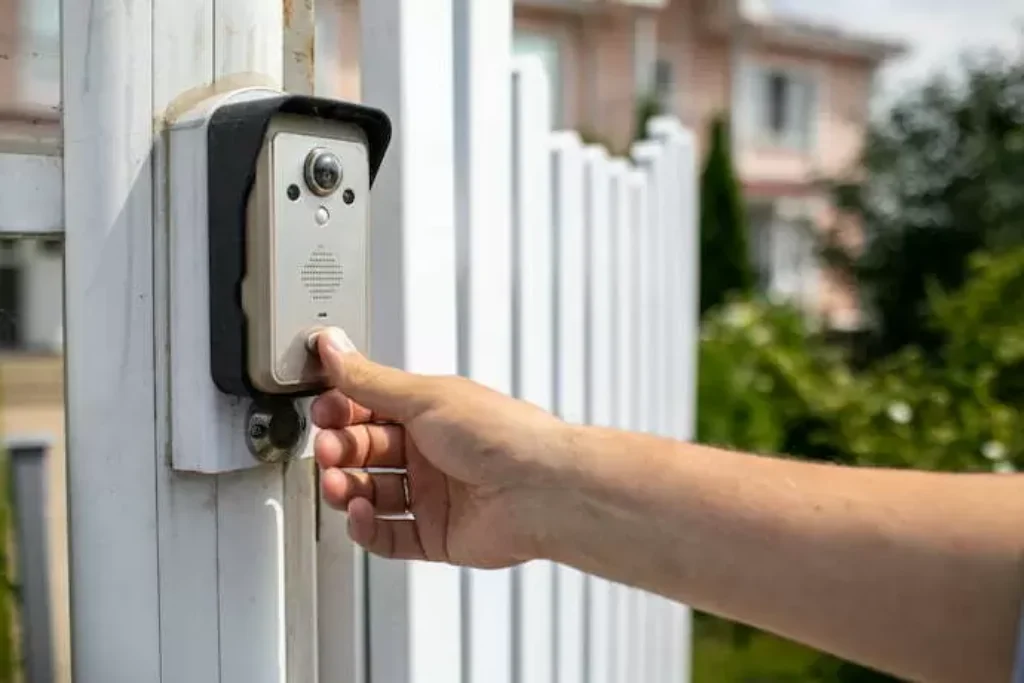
798 96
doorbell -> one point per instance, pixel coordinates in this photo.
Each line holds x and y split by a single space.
288 181
306 253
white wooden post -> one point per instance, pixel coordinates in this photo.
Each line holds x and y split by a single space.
407 67
599 359
533 316
175 576
682 250
570 370
640 368
112 461
483 53
650 157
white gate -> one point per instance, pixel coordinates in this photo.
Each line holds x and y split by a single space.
500 249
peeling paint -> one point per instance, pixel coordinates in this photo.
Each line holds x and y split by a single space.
289 9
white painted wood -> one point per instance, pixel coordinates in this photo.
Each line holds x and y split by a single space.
638 305
340 579
176 577
599 367
533 319
482 53
598 240
623 377
32 196
415 608
683 334
570 369
647 156
300 543
187 505
298 601
668 132
689 335
253 513
651 158
115 603
666 313
624 293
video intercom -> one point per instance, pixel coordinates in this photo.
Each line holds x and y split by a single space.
288 195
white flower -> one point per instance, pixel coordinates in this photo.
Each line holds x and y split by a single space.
994 451
760 336
1004 467
900 413
739 316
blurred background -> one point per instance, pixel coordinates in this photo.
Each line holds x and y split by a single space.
862 248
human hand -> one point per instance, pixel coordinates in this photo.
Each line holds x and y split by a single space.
479 465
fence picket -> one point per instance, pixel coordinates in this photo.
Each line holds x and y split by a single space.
570 369
533 321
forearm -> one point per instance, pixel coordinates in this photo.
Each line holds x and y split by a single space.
918 574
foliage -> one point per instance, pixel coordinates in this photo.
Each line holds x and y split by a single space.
763 378
939 179
9 657
769 383
724 256
647 108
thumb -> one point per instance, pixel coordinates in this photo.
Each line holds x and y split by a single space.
384 390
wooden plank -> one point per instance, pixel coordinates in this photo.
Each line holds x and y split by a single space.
340 579
414 608
251 520
640 218
187 537
623 377
570 370
683 286
482 56
108 126
647 156
300 494
533 319
600 371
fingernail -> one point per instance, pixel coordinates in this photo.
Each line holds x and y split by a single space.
340 341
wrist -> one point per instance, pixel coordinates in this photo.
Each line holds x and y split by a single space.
564 493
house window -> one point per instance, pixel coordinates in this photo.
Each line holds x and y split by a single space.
782 245
10 294
664 83
548 50
780 106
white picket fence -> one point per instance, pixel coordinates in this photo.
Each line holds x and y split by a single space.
574 287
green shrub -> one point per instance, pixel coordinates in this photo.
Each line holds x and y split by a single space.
769 383
725 268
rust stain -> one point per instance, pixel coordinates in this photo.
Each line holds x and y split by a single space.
289 9
311 62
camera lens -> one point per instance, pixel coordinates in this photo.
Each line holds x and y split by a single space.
323 172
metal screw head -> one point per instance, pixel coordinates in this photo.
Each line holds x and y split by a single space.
276 430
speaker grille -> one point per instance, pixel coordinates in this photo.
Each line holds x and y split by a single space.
322 275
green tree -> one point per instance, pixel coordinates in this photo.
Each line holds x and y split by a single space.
647 108
939 180
724 257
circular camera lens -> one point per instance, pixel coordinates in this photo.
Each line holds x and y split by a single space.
323 172
348 196
293 192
